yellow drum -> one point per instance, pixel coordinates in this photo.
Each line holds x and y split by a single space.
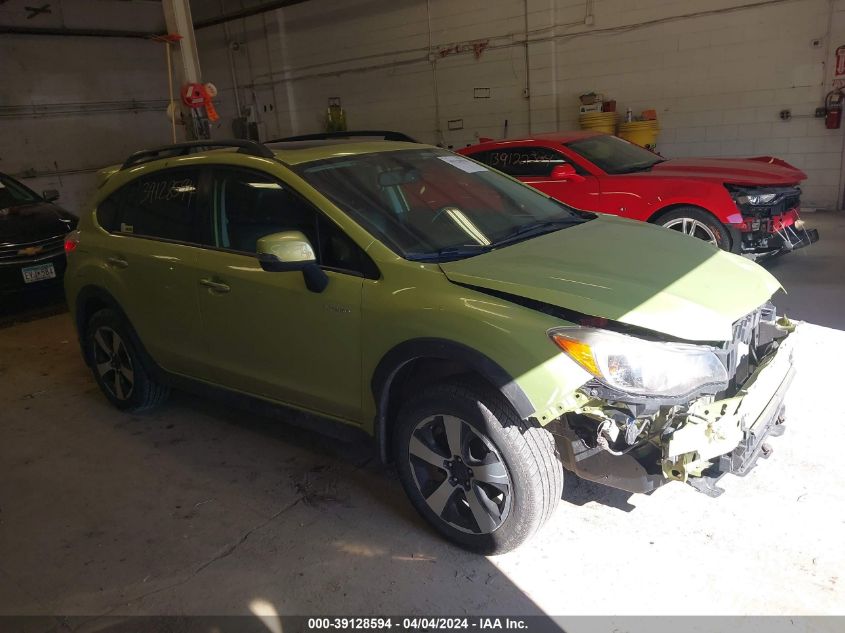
598 122
642 133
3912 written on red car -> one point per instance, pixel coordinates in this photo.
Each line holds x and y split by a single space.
749 206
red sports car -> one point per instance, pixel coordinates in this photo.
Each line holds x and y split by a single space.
744 205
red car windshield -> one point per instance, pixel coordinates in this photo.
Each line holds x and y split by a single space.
615 155
433 204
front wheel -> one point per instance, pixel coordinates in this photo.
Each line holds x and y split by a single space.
697 223
472 468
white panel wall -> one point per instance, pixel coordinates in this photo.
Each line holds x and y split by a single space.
718 81
71 105
718 73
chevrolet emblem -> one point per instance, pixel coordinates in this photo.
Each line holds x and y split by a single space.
29 251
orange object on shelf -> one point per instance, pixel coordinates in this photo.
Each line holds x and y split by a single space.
649 115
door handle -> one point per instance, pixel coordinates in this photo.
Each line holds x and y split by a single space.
215 285
117 262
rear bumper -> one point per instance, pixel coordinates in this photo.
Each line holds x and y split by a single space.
11 277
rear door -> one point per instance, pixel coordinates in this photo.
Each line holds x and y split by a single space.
533 164
270 335
156 225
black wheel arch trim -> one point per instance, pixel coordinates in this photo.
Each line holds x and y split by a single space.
438 349
101 295
733 233
655 217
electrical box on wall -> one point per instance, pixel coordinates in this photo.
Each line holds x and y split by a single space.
249 113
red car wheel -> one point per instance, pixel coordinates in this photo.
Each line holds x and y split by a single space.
697 223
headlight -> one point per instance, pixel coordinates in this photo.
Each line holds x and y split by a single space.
757 199
638 366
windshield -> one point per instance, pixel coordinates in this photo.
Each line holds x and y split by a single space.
13 193
433 204
615 155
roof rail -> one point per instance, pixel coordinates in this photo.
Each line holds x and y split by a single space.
387 135
183 149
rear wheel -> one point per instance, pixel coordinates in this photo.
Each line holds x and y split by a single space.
697 223
116 364
479 474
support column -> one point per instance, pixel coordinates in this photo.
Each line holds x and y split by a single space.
541 70
177 16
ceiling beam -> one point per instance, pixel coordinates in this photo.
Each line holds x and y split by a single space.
198 24
70 32
245 13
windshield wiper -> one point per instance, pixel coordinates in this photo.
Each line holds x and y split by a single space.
450 253
640 167
524 232
539 228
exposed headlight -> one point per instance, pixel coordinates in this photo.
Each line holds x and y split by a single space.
757 199
637 366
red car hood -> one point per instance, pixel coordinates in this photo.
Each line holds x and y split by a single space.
761 170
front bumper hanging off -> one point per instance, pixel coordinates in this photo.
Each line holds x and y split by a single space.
772 236
753 445
703 443
794 237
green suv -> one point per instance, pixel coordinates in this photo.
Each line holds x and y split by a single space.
485 335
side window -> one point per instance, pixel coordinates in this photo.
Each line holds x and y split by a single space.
249 205
162 205
339 252
522 161
108 212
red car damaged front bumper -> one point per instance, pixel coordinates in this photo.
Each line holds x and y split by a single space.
772 235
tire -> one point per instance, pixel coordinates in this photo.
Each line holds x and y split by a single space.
522 478
704 225
116 364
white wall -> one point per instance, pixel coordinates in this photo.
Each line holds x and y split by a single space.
71 105
718 74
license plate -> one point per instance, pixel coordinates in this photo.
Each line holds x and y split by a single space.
31 274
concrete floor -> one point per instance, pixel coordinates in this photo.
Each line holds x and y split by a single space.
201 509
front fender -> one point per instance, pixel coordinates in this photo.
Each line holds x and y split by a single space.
504 343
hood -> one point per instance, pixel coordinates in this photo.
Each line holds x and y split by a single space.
631 272
762 170
33 222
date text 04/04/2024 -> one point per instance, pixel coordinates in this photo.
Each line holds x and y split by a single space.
418 623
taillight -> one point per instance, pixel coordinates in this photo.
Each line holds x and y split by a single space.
71 241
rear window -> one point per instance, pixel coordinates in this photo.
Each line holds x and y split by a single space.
164 205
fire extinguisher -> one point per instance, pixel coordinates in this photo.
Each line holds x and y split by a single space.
833 109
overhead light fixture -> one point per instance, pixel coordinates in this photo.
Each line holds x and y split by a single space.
264 185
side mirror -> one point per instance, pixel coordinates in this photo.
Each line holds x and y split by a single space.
566 172
290 251
50 195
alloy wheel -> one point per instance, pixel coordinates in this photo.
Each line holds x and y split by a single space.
113 363
693 228
460 474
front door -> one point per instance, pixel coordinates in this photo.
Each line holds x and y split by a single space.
269 334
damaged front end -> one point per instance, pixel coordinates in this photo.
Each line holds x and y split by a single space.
770 222
638 441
